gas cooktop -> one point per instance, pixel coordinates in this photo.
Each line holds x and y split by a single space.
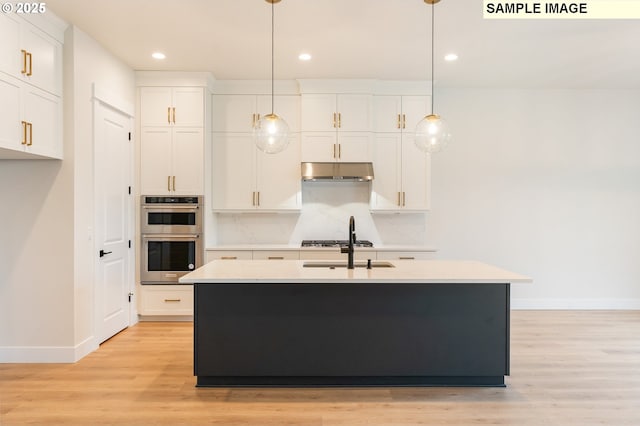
334 243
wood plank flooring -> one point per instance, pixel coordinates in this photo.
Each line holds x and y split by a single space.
567 368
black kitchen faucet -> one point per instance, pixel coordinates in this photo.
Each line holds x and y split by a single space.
352 239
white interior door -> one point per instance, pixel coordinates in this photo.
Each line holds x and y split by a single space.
113 277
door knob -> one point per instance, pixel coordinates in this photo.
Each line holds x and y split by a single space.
102 253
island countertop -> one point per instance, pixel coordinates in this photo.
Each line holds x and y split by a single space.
404 271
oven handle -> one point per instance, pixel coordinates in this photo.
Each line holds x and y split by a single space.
170 236
170 207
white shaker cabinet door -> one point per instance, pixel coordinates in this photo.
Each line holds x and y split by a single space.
387 113
318 112
155 103
234 113
416 176
354 113
386 186
187 161
155 165
414 109
278 178
11 59
11 127
44 60
233 172
189 106
44 115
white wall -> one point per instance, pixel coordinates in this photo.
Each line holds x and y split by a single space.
92 65
544 183
46 255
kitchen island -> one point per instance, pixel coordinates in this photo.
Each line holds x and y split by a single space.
414 323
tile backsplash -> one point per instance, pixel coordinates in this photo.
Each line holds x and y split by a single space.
326 207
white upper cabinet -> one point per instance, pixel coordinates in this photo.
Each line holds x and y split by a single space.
30 54
399 113
240 113
30 90
172 140
336 127
245 178
402 171
172 106
331 112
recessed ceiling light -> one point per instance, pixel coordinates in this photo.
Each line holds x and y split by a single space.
304 56
450 57
158 55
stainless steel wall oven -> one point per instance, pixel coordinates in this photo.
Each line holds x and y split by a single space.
171 233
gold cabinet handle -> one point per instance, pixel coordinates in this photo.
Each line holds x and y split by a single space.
172 300
404 121
253 120
228 257
404 199
30 126
258 198
169 115
174 183
174 114
253 200
168 183
399 122
24 133
275 257
398 199
30 72
339 150
24 61
334 151
406 258
335 122
339 119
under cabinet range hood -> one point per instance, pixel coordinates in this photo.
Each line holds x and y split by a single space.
337 172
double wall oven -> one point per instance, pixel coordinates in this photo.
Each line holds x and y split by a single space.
171 232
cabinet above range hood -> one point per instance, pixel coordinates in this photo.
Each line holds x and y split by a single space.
337 172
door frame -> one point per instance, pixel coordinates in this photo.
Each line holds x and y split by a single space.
108 100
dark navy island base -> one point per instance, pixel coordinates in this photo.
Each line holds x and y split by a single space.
351 334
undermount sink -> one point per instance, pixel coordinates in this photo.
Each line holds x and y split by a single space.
339 264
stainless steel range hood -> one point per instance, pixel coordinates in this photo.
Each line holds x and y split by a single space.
337 172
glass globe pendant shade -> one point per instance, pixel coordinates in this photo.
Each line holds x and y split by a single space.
432 133
271 134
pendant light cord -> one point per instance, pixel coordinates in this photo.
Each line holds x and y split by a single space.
432 44
272 55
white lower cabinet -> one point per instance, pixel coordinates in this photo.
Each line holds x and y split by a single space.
166 300
227 255
405 255
276 255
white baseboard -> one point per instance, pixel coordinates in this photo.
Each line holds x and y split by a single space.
46 354
576 304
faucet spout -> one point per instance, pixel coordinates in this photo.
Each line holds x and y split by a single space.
352 239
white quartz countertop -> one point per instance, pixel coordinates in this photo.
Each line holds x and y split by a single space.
404 271
283 247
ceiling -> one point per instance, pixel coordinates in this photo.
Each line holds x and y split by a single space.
368 39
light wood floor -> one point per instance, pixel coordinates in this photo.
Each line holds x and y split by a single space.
567 368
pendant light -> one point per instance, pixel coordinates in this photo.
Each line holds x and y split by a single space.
271 132
432 132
